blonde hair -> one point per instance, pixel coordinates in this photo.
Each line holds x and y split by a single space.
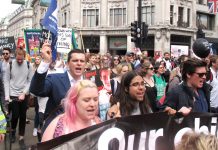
173 73
121 65
198 141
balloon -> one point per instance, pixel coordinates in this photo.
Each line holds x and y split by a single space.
201 48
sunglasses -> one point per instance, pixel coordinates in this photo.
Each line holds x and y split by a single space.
201 75
150 68
5 53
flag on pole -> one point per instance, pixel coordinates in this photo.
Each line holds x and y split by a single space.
212 4
50 23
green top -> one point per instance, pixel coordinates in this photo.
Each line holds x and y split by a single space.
160 84
3 122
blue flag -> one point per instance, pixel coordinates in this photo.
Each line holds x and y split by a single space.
50 23
50 20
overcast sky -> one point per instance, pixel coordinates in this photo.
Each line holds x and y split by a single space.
6 8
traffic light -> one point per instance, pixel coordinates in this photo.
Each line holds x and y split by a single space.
144 31
135 32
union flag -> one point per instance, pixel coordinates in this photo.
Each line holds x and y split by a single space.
212 4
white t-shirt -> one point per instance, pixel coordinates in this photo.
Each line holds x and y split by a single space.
214 92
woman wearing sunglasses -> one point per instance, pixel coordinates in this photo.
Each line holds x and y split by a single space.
193 94
115 61
147 73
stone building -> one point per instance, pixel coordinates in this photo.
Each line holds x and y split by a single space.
4 27
19 20
104 25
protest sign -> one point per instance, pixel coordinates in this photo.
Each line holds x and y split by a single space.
20 42
64 41
137 132
32 41
101 77
46 36
7 42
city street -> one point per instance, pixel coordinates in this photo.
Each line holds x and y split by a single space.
29 138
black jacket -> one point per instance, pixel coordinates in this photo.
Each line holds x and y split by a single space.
182 95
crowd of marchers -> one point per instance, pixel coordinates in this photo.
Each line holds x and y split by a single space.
65 101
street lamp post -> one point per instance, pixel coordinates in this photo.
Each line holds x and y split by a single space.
139 21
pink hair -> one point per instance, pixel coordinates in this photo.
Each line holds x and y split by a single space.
71 99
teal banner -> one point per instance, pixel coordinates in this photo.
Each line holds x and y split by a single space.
45 3
18 2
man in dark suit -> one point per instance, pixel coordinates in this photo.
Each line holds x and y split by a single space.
55 86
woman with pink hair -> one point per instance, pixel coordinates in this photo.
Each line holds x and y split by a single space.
81 107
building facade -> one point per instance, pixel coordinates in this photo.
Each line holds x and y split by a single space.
38 14
19 20
4 27
104 25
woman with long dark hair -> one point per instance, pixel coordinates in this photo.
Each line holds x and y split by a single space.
130 98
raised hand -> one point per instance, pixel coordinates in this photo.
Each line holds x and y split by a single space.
46 52
114 111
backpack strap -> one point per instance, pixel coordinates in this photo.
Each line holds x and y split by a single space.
10 63
115 86
0 66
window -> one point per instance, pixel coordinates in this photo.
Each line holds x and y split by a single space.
148 14
117 17
180 22
90 17
180 15
200 2
65 20
171 14
205 21
188 17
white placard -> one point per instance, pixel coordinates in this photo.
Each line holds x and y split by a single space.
64 41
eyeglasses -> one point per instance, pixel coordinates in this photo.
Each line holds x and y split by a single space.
137 84
116 59
201 75
5 53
